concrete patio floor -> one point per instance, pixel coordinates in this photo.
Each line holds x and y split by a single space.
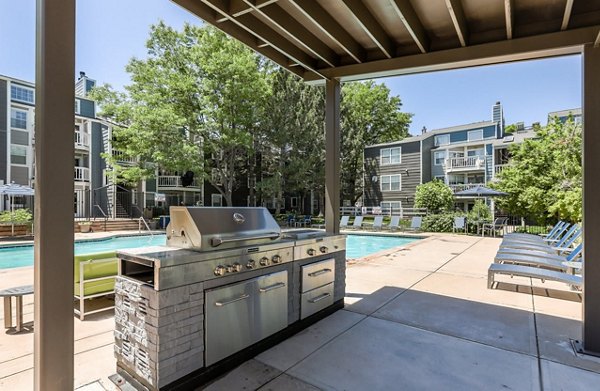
416 318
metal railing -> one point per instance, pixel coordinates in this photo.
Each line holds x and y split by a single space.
456 163
385 211
82 174
120 157
82 140
174 181
142 220
464 186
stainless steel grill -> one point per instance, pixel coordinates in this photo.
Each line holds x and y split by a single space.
226 279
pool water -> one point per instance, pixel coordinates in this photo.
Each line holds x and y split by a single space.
357 246
23 255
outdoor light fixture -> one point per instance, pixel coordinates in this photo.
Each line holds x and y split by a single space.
374 178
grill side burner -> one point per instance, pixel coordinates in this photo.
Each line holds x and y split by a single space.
225 287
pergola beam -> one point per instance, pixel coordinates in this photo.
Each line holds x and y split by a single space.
411 21
540 46
567 15
597 41
458 19
240 7
328 25
371 26
509 6
276 15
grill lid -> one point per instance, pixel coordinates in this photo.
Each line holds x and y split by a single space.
217 228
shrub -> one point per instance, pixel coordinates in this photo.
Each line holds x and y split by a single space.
436 196
18 216
441 222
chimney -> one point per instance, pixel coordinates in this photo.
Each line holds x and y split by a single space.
81 74
424 130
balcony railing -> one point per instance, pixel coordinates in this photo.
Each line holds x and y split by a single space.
463 163
465 186
82 140
498 168
120 157
82 174
175 181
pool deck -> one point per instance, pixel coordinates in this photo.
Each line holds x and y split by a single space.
419 317
84 237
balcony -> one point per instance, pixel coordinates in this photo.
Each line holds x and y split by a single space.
123 159
82 140
82 174
458 164
174 182
498 168
464 186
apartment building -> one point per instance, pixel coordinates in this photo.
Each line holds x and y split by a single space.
462 156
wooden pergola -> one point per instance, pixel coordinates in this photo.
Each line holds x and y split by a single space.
323 42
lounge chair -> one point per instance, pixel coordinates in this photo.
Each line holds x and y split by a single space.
526 236
545 261
459 224
532 272
497 225
358 221
394 223
561 247
378 223
557 234
415 223
94 276
344 222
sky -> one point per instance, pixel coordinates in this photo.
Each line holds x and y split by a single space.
111 32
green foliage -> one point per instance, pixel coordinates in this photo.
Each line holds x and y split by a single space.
436 196
18 216
479 212
510 128
369 115
440 222
544 177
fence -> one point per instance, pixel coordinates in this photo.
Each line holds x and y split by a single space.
522 224
385 211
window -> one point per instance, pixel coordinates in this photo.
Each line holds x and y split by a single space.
476 152
443 139
18 154
439 157
18 119
294 202
216 200
390 206
390 156
475 135
390 183
22 94
77 106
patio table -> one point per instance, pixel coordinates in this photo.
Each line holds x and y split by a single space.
18 293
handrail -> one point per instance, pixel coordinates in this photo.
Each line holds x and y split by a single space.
101 211
140 220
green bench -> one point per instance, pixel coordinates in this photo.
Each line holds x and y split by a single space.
94 276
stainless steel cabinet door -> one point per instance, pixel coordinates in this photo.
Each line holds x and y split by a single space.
241 314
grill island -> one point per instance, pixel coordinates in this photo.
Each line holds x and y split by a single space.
227 285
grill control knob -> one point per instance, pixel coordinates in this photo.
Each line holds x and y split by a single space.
219 270
264 261
276 259
229 268
323 249
237 267
251 264
311 252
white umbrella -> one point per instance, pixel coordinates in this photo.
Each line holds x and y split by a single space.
14 189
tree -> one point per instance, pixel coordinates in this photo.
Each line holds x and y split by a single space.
544 176
369 115
194 105
436 196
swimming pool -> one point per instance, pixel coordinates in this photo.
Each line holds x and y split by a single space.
357 246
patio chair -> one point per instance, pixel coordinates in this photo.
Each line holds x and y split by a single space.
561 247
394 223
94 276
358 221
459 224
378 223
291 220
546 261
415 223
498 224
539 239
532 272
344 222
516 235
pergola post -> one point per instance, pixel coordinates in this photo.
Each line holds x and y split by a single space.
332 156
54 156
591 198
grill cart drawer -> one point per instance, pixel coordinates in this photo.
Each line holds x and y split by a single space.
317 274
316 300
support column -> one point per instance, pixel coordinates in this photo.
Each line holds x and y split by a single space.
54 157
332 156
591 198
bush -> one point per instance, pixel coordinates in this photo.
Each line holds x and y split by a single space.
436 196
18 216
441 222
